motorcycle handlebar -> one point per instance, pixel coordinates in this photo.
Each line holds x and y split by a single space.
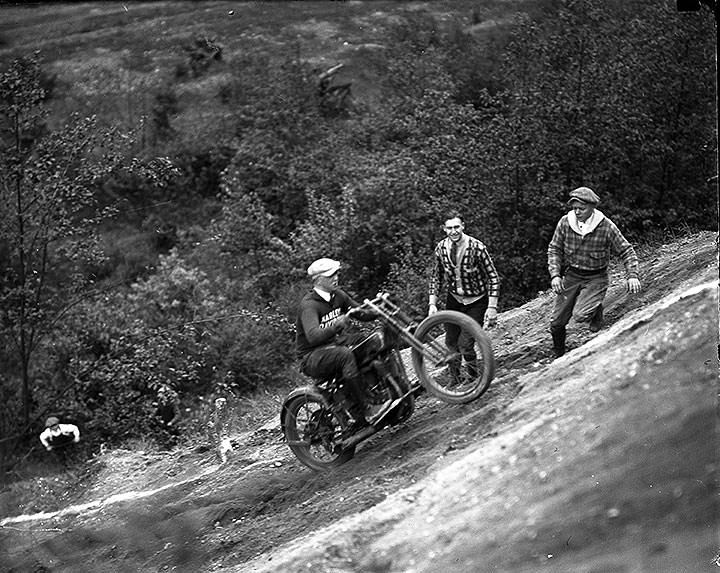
386 310
369 303
379 297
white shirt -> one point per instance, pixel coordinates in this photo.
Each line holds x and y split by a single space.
588 226
47 436
323 294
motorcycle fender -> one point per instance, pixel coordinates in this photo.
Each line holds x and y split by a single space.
301 391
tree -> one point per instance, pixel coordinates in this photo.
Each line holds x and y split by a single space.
48 214
618 96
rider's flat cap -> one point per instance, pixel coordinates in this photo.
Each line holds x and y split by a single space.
323 267
51 421
584 195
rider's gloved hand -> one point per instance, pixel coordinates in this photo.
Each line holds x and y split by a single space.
341 322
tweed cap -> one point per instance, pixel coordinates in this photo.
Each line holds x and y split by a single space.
584 195
51 421
323 267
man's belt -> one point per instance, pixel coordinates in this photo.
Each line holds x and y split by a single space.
587 272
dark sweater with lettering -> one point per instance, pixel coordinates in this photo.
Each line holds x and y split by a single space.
316 321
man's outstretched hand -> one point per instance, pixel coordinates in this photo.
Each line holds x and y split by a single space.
633 285
490 317
557 285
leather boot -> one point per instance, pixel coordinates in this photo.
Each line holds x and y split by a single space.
596 321
558 335
357 398
454 374
472 369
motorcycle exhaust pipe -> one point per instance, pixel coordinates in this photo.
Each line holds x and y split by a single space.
358 437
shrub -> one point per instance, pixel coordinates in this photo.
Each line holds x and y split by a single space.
140 356
201 52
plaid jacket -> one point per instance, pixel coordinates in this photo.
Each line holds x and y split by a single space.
592 252
477 272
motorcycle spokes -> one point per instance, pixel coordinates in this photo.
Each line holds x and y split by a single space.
314 432
455 361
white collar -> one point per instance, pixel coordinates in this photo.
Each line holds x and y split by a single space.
588 226
323 294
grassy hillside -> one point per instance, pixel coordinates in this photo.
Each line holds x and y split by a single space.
122 51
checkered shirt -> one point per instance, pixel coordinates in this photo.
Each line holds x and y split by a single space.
592 252
477 271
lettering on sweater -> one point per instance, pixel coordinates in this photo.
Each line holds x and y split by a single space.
328 319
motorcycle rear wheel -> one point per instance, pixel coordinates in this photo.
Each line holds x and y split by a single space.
451 376
314 432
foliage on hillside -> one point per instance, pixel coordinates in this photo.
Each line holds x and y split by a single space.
499 120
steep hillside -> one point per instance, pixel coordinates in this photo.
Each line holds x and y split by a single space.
603 460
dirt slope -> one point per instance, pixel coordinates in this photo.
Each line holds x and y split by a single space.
603 460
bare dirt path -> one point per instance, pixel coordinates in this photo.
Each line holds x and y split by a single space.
604 460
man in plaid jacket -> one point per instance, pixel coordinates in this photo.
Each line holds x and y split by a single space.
578 257
473 284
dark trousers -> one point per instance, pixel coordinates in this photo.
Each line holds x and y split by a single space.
580 298
337 360
455 340
63 449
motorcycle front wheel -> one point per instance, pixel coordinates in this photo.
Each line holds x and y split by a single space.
456 376
314 432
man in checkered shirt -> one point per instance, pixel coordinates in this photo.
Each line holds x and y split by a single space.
473 284
578 257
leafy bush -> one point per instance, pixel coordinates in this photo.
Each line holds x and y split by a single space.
50 213
139 357
200 52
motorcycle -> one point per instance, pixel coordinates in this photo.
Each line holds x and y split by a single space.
314 418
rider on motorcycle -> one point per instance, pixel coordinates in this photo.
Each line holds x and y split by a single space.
323 345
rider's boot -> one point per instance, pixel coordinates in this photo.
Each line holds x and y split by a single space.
359 424
355 405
